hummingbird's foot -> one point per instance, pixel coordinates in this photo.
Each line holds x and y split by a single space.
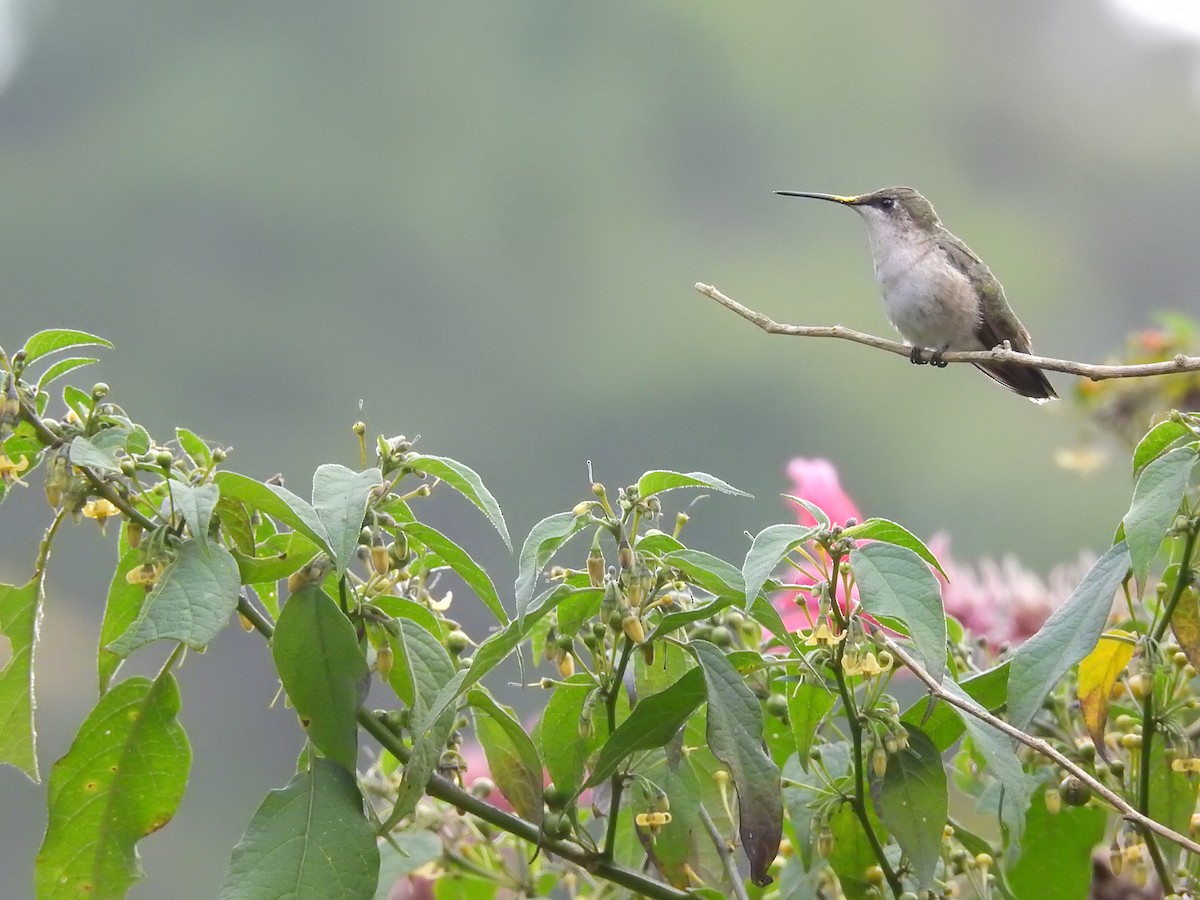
914 356
935 359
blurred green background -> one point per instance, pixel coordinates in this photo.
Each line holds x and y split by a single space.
483 221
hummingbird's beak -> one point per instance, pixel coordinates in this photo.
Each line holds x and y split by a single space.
834 198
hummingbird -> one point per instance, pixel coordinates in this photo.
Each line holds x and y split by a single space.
936 292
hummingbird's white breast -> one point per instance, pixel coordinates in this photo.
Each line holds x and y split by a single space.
929 301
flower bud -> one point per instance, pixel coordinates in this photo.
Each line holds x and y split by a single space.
566 665
879 762
384 658
825 843
625 555
381 560
595 567
632 626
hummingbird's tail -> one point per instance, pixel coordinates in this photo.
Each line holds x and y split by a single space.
1024 380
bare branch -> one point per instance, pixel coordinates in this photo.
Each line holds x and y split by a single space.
1043 747
1180 363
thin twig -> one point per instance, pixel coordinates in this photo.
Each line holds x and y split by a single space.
1180 363
1045 749
725 853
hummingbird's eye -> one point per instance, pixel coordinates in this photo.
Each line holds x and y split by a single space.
887 203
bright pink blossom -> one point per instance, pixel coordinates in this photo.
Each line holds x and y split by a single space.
1002 601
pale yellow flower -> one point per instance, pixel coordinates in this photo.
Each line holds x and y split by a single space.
101 510
10 469
822 636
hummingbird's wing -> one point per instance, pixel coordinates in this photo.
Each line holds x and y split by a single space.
997 323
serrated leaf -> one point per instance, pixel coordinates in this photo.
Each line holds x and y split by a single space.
340 500
193 445
54 339
767 550
543 541
895 583
20 613
1056 852
308 841
192 601
565 751
121 780
120 611
1155 441
912 801
1098 672
808 704
461 562
61 368
889 532
652 723
512 758
195 504
464 480
323 671
735 734
1156 498
1066 637
84 452
658 481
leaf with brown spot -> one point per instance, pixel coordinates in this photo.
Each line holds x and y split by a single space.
1098 672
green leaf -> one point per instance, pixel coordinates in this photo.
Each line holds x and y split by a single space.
340 500
121 780
808 704
895 583
852 852
61 368
565 751
277 557
706 571
20 613
821 517
1155 441
943 723
1172 796
466 482
766 615
462 563
767 550
54 339
431 730
577 609
1067 637
308 841
235 522
912 802
512 758
1056 852
195 504
889 532
672 621
417 848
276 502
120 611
323 671
652 723
85 453
1156 498
544 540
422 666
191 602
193 445
660 480
735 734
1000 758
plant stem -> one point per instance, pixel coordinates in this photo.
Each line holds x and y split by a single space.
610 704
599 865
971 708
859 802
735 879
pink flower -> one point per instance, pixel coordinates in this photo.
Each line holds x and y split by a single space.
816 480
1000 600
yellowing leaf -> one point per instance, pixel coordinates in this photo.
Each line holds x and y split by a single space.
1098 672
1185 623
